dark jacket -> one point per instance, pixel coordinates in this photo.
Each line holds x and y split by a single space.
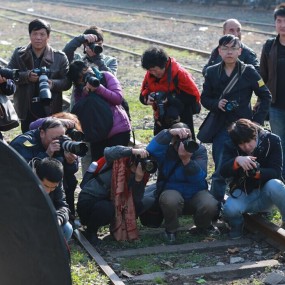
56 61
186 179
247 55
29 146
58 199
268 65
249 81
269 156
102 61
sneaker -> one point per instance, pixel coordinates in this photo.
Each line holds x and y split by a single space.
210 231
236 232
170 237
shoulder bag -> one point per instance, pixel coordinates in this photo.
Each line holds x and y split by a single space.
8 116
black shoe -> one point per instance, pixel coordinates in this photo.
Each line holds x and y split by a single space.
210 231
92 237
170 237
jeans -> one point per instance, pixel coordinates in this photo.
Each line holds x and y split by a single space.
218 186
259 200
67 231
203 206
277 123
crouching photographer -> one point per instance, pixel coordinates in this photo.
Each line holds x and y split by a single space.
73 139
181 183
112 192
252 163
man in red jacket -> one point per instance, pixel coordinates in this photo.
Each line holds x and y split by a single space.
170 89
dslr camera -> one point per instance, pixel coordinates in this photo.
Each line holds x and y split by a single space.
44 91
91 79
252 172
78 148
10 73
189 145
158 98
75 135
148 164
231 106
95 48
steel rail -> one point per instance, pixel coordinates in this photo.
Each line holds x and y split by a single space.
116 33
173 15
105 45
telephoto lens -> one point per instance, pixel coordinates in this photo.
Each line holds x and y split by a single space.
78 148
190 145
91 79
44 91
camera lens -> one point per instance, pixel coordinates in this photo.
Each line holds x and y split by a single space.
44 91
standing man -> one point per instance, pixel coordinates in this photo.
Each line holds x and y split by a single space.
233 27
232 104
272 70
169 89
38 54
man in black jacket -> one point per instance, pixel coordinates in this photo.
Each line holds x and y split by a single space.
50 172
252 162
248 56
235 103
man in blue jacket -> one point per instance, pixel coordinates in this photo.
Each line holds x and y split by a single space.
182 180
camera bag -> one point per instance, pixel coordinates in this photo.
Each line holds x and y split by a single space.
8 116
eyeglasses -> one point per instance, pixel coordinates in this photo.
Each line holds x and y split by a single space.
224 48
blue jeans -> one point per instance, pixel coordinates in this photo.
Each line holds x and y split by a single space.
218 186
67 231
259 200
277 125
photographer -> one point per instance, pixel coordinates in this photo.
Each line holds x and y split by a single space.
38 55
72 125
96 201
252 161
227 93
182 184
50 172
98 98
169 89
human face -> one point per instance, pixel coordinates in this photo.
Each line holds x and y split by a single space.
248 147
233 28
280 25
50 135
39 39
157 71
229 53
48 185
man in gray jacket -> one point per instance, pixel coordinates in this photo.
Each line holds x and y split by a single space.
34 60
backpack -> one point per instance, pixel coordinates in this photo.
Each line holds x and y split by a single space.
95 116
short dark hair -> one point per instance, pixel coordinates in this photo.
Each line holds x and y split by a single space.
227 39
51 123
154 56
75 69
179 125
279 11
243 131
95 31
39 24
50 169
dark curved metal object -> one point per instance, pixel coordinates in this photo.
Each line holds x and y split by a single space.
32 248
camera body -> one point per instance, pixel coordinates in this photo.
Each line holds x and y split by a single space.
10 73
91 79
75 135
158 98
148 164
95 48
252 172
44 91
66 144
231 106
